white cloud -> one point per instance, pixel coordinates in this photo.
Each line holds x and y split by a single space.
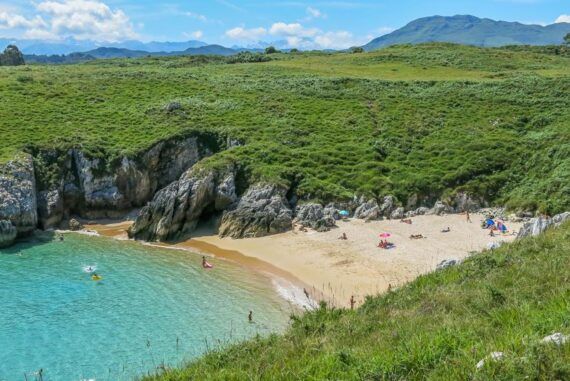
293 29
79 19
196 16
298 36
197 34
243 34
563 18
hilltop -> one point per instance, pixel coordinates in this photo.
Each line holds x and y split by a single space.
471 30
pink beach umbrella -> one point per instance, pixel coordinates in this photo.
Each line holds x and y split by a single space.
385 235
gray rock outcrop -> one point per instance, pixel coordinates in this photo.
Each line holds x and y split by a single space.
397 214
91 187
316 216
539 225
8 233
261 211
175 210
446 263
370 210
75 225
440 208
18 203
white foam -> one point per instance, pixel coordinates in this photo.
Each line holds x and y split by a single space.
89 269
293 294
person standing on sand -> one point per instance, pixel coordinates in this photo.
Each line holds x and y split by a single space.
468 216
352 302
250 316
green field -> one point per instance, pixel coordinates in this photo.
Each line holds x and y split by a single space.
435 328
426 120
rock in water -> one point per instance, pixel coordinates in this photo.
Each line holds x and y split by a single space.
18 195
176 209
8 233
75 225
262 210
315 216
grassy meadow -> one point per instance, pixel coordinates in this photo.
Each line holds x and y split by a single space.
427 120
436 328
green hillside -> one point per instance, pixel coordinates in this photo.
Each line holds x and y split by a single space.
471 30
436 328
425 121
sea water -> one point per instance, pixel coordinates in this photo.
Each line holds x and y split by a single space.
153 307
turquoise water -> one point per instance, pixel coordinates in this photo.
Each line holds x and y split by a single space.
154 306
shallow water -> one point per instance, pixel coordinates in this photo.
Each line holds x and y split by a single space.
154 306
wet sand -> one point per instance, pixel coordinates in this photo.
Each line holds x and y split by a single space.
334 269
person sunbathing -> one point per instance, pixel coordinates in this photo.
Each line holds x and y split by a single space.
417 236
343 237
447 230
406 221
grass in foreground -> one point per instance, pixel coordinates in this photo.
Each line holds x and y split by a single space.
437 327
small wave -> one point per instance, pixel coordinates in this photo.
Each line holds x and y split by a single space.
89 269
293 294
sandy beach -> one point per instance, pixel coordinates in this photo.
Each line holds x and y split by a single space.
334 269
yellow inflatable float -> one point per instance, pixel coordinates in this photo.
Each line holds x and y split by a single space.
96 277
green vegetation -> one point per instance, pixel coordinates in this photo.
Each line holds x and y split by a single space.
426 120
435 328
567 39
12 56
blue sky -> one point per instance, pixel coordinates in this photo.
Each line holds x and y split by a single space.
305 24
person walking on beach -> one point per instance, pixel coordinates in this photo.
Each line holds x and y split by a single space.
468 216
352 302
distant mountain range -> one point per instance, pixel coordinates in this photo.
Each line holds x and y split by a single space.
40 47
471 30
105 53
468 30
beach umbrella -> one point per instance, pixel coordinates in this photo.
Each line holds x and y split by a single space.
344 213
385 235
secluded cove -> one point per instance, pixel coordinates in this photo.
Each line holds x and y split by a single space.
154 306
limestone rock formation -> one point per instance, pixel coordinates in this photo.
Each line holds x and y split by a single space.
18 195
8 233
370 210
175 210
75 225
261 211
313 215
397 214
539 225
440 208
94 188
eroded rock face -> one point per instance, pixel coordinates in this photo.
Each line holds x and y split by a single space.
261 211
440 208
93 188
539 225
8 233
397 214
18 203
368 211
175 210
316 216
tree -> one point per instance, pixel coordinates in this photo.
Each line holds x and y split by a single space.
357 49
271 50
567 39
12 56
294 50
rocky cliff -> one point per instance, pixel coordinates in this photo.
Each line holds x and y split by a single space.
18 208
175 210
74 183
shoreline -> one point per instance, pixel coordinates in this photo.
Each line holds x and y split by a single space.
335 270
